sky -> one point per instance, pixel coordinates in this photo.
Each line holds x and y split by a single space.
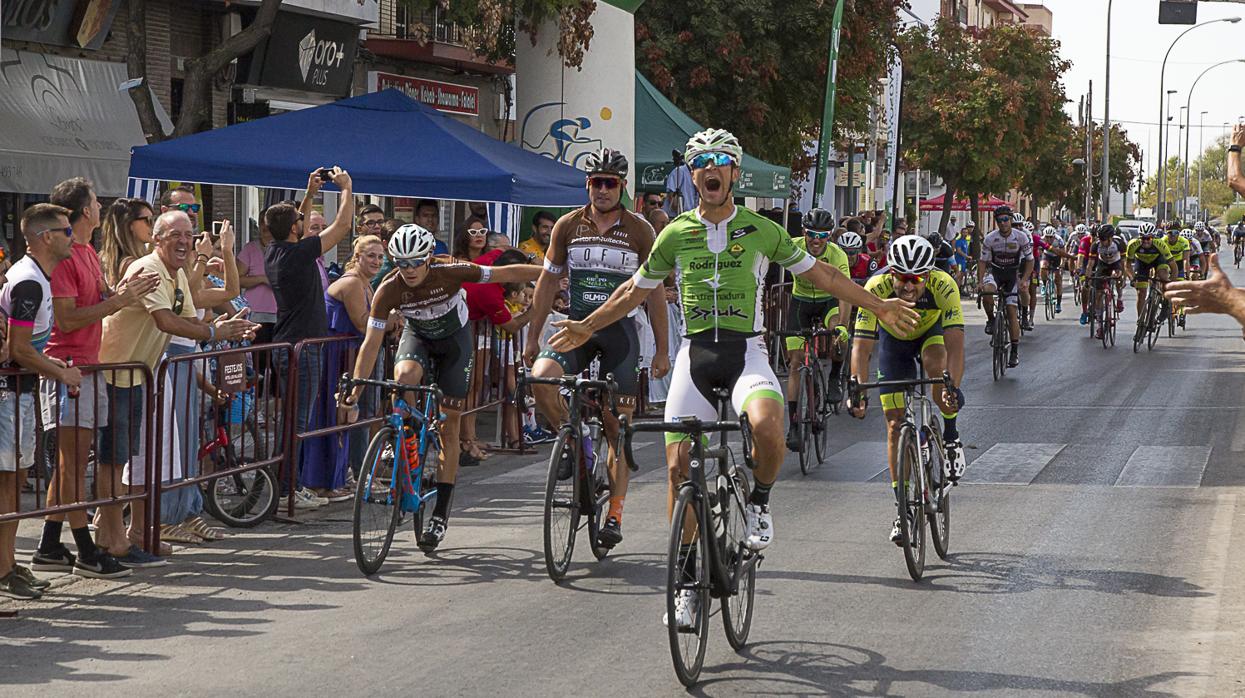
1138 43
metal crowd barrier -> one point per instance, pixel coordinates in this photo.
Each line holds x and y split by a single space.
493 375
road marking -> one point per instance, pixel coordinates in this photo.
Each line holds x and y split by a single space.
860 462
1110 408
1238 436
1010 463
1164 466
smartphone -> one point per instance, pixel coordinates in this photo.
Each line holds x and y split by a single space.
326 174
217 226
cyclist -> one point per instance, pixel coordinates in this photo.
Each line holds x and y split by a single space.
859 262
1179 248
1039 251
1196 253
1206 237
1005 264
1052 262
720 252
944 255
1106 253
962 245
1148 255
811 307
937 342
1238 239
436 342
597 248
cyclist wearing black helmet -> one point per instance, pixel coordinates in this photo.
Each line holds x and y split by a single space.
944 252
812 307
1005 264
598 248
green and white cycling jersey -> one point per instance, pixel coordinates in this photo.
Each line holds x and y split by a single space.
833 255
598 262
721 268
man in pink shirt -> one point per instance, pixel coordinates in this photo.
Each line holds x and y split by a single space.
79 306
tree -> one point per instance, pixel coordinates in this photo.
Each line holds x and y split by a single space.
490 24
759 68
1213 163
1057 180
981 110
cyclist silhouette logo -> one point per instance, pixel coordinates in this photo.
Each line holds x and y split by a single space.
546 130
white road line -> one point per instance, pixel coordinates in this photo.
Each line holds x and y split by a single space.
1010 463
1164 466
1102 408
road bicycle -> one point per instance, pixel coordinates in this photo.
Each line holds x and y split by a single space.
924 490
707 557
812 410
1149 324
1001 333
1048 295
245 499
578 450
1104 316
398 474
1238 250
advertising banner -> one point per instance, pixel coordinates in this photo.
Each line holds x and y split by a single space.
442 96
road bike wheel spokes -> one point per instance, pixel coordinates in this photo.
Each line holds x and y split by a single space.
687 569
912 513
243 500
427 490
804 415
739 562
821 427
377 502
940 520
562 507
597 497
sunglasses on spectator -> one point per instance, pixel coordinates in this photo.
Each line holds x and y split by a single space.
410 263
913 279
179 301
146 219
477 231
68 231
715 159
818 235
192 208
604 182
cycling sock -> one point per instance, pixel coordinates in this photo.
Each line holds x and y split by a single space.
835 367
442 508
51 539
760 494
949 431
616 507
791 408
86 546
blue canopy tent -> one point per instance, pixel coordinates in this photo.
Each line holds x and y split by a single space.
391 144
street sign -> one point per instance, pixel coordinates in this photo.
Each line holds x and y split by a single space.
1177 11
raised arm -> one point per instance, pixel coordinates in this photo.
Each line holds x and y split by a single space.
343 223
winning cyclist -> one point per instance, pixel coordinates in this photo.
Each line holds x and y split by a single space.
811 307
1148 255
436 341
937 342
720 252
597 248
1005 264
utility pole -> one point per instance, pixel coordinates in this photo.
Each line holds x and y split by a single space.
1106 126
827 111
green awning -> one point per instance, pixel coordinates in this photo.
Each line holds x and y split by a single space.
661 128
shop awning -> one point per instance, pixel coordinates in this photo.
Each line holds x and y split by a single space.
661 128
391 144
64 117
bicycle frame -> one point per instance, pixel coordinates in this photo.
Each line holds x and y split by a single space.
411 495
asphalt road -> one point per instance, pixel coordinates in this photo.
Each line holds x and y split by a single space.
1096 551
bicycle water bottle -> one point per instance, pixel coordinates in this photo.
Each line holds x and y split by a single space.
925 455
589 432
716 515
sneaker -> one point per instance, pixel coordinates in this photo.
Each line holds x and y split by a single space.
896 534
529 436
834 391
15 586
59 560
104 566
341 494
434 535
1180 321
1084 318
686 608
311 494
956 463
1027 326
989 328
1013 359
1058 307
793 439
304 500
610 534
546 437
137 557
760 531
30 578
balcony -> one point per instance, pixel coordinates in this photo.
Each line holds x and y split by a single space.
426 37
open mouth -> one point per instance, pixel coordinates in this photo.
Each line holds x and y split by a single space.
713 184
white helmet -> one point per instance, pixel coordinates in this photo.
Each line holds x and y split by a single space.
911 254
1017 218
1199 226
713 140
1049 231
1146 229
850 241
1187 234
411 242
1081 229
1028 226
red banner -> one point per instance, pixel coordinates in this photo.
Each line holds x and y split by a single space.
442 96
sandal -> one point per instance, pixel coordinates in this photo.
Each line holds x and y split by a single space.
200 528
179 534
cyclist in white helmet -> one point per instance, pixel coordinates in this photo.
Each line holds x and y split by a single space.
436 342
937 340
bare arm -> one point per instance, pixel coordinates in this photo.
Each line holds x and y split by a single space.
954 339
829 279
657 317
862 350
190 328
1235 179
70 318
248 280
25 354
542 302
344 221
354 299
624 299
515 272
366 359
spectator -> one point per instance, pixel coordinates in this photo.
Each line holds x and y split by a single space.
681 194
181 508
471 239
372 221
428 216
316 225
78 309
388 229
254 281
653 214
348 302
182 198
26 301
535 246
126 237
290 264
953 230
140 333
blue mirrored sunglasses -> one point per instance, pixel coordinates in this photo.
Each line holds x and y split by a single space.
717 159
818 235
410 263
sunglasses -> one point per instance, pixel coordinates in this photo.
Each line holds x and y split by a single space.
712 159
191 208
409 263
68 231
477 232
146 219
913 279
817 235
604 183
179 301
1004 219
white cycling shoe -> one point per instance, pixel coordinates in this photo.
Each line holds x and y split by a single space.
686 606
760 526
956 463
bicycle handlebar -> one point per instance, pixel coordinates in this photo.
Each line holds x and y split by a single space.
855 387
348 383
805 334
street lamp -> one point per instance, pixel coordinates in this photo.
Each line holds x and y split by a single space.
1106 124
1201 155
1184 159
1164 130
1163 91
1189 117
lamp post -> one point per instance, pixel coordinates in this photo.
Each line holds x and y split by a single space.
1189 118
1184 159
1106 125
1163 91
1164 145
1089 181
1201 155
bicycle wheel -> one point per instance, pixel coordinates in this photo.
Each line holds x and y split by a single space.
805 417
738 560
821 427
1112 320
597 497
1091 312
690 572
940 520
1153 308
562 509
243 500
1048 294
912 511
427 489
998 345
377 503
